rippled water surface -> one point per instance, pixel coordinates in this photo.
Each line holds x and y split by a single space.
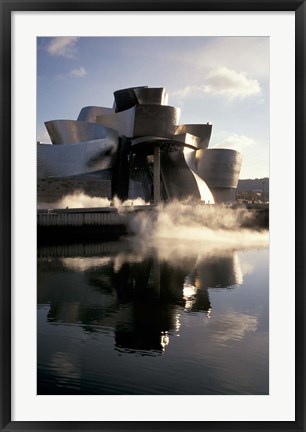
117 318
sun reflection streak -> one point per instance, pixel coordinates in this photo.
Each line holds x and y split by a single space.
189 293
164 340
177 324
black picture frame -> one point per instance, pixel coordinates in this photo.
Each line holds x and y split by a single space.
6 8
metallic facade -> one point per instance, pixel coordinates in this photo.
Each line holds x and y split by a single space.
74 131
220 168
122 122
142 146
143 120
202 131
126 98
90 113
159 120
151 96
67 160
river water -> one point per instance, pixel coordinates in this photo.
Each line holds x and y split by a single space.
122 318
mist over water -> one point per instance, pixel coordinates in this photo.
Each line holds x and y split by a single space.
81 200
176 226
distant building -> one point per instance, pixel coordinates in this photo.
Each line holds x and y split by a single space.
253 190
138 148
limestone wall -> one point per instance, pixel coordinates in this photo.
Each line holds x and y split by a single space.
53 189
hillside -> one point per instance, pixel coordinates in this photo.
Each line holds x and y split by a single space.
250 185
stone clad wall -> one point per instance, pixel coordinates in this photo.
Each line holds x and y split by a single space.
53 189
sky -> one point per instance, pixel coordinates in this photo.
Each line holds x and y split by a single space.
221 80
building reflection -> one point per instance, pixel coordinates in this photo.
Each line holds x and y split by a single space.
138 295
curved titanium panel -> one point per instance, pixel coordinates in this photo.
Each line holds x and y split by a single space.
203 131
126 98
143 120
205 192
151 96
74 131
220 168
155 120
177 177
188 139
67 160
179 181
122 122
90 113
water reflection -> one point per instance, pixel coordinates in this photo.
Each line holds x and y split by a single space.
138 292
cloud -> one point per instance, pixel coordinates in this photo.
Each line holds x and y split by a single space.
74 73
230 83
233 326
223 82
189 90
63 46
253 55
235 142
78 73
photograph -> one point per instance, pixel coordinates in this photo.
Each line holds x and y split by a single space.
153 215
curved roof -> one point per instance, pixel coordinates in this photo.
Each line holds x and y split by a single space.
75 131
203 131
126 98
90 113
